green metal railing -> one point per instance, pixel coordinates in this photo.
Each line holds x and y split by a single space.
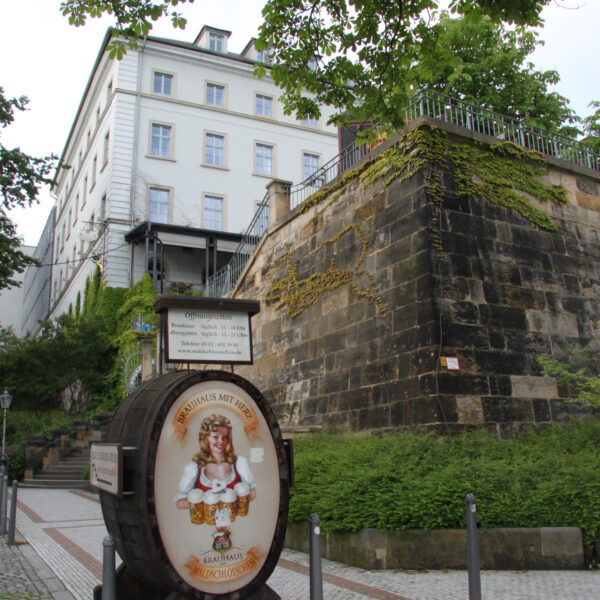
476 118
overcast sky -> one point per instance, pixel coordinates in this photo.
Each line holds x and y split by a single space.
50 61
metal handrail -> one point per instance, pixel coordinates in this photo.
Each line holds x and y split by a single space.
423 104
221 283
476 118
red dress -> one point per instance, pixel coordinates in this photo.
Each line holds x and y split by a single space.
230 484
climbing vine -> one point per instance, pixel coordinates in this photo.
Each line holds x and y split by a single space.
504 174
298 294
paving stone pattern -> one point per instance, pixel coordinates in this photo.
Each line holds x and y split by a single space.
62 561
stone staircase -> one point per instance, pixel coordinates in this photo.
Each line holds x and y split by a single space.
65 474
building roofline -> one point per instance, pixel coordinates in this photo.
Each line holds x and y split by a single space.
107 36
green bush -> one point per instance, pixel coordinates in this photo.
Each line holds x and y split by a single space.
415 481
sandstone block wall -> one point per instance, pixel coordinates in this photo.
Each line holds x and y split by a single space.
363 294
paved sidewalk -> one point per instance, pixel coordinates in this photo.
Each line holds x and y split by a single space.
62 560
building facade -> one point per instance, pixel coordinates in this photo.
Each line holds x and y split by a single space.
167 161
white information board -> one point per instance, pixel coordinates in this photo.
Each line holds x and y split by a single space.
208 336
106 467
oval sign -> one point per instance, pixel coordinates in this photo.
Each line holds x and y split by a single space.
217 487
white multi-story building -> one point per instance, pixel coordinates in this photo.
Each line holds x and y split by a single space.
167 160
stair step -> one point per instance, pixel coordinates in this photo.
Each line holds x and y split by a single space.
61 476
58 484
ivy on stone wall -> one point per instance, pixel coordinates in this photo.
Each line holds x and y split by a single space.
298 294
504 174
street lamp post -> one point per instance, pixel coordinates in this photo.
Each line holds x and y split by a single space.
5 402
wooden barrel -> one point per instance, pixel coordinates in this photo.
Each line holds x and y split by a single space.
141 422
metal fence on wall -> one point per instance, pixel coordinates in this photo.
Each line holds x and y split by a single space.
476 118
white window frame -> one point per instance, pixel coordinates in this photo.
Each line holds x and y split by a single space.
216 41
105 150
310 122
221 197
161 137
260 106
94 172
264 56
208 158
162 76
168 192
215 85
312 155
259 168
84 191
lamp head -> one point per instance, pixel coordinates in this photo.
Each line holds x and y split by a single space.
5 399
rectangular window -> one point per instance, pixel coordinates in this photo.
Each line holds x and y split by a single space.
69 221
103 208
97 116
94 170
76 209
57 248
213 150
109 91
215 42
264 106
161 140
105 151
262 217
162 84
158 208
84 192
74 254
309 122
215 94
213 213
263 56
264 159
62 242
310 164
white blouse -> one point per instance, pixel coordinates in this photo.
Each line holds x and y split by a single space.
190 476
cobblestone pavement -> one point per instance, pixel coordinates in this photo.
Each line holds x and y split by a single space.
63 561
24 576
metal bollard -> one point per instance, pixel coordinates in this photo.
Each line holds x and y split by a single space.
4 504
12 522
473 550
109 577
2 492
316 575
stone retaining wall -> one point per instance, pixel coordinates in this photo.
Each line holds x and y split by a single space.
502 549
363 294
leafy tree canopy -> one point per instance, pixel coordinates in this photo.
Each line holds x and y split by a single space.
21 177
591 126
366 57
